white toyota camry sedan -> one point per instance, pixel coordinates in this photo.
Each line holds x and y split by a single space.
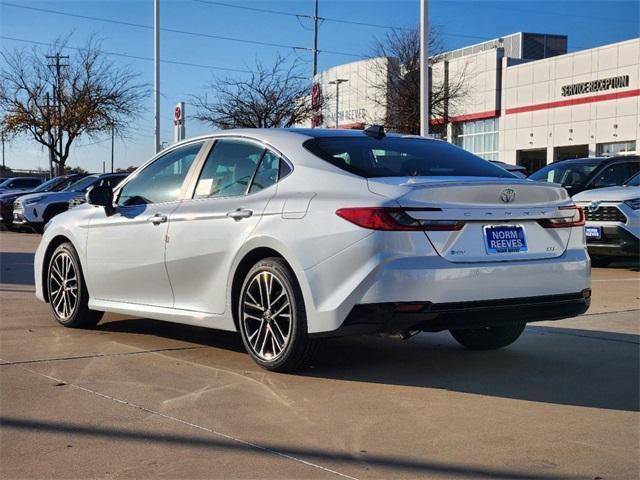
288 236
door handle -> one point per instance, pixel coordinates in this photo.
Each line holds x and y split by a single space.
240 213
157 219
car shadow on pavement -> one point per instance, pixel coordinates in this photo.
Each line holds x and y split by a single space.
547 364
16 268
184 333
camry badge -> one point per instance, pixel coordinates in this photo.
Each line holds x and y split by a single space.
593 206
508 195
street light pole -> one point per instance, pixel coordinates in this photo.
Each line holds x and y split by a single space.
424 67
156 72
337 83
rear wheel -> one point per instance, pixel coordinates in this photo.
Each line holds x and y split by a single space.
488 338
601 260
68 295
272 318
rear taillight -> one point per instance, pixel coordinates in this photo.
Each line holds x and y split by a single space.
380 218
574 218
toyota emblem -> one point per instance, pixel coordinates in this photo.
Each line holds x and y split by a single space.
593 206
508 195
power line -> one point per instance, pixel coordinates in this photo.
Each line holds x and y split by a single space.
254 9
134 57
173 30
326 19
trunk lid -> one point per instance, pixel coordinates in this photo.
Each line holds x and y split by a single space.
506 211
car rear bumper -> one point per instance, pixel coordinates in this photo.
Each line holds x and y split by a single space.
425 277
615 241
433 317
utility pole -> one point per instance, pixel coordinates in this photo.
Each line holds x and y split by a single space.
51 145
424 67
112 135
156 73
3 164
57 94
315 40
337 83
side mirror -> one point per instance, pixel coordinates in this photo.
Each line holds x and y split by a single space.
101 196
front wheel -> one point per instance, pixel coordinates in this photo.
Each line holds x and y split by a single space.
272 318
488 338
68 295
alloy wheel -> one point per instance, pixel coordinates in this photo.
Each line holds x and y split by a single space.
63 285
266 316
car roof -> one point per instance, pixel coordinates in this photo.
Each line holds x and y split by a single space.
599 159
269 134
29 178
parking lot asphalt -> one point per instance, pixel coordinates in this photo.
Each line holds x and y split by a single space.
137 398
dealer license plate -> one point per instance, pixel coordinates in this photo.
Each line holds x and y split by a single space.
593 232
505 239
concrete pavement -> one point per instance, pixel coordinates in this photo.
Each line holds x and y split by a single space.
136 398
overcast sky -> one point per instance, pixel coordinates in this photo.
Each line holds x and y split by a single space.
266 34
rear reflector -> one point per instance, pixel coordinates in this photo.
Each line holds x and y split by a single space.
574 218
410 307
380 218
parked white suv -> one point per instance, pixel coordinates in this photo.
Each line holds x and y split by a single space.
612 221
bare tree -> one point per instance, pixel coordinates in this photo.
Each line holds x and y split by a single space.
396 87
90 96
271 96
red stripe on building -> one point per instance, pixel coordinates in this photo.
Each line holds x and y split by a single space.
468 117
573 101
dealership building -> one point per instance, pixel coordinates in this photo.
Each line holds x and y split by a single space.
525 99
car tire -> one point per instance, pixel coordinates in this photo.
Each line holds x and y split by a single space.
600 261
10 227
272 318
488 338
68 295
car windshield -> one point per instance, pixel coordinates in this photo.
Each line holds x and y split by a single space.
82 185
633 181
47 186
567 174
400 157
6 182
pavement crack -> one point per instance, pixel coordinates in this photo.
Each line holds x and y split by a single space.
182 421
99 355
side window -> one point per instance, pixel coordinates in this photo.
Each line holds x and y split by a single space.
612 175
229 169
111 181
285 169
267 173
27 182
162 180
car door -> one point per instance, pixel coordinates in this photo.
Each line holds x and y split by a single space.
231 192
125 249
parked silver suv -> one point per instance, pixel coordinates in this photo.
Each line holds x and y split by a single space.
613 221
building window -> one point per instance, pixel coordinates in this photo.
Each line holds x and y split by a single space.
617 148
479 137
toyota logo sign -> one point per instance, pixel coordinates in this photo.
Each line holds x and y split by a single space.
593 206
508 195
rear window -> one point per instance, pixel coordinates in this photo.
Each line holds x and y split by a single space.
567 174
401 157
